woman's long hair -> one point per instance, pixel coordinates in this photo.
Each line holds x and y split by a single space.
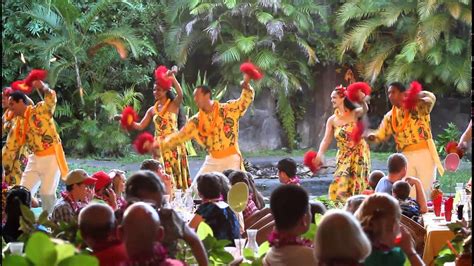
16 196
181 115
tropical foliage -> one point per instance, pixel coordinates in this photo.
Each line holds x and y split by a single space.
409 40
278 36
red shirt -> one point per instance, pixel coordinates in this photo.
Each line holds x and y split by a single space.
114 255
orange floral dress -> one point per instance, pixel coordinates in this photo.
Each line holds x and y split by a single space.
352 165
174 160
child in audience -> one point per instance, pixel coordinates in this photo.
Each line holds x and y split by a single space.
290 209
374 179
353 203
287 172
156 167
336 227
409 206
240 176
379 216
214 210
118 185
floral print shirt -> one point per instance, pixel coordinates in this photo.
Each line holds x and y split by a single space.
36 130
417 125
216 130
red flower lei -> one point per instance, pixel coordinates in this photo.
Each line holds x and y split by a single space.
160 254
69 199
278 241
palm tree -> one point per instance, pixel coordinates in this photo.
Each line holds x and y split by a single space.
409 40
273 34
72 39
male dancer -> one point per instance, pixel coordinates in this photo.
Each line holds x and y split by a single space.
412 133
216 127
35 128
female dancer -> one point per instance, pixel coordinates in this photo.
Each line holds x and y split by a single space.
352 159
165 116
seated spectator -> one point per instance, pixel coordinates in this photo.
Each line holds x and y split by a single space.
141 232
291 211
240 176
397 169
98 230
118 186
317 207
379 216
74 198
258 197
336 227
103 189
214 210
287 172
157 168
228 172
16 196
147 186
374 179
353 203
410 207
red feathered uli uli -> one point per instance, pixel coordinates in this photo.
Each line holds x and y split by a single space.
161 79
128 117
308 160
36 74
411 96
143 143
250 69
357 131
20 85
353 91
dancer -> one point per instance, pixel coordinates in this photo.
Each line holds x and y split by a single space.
35 129
13 175
216 127
165 117
352 159
412 133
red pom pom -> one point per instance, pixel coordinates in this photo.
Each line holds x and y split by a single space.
452 147
308 160
20 85
411 96
161 79
144 143
353 91
357 131
251 70
128 117
36 74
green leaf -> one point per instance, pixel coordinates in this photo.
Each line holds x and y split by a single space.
80 260
15 260
222 256
64 251
67 10
310 233
263 17
455 46
263 249
248 254
201 9
43 217
27 214
246 44
230 3
204 230
409 52
40 250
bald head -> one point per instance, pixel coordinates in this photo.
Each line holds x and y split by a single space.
96 222
140 227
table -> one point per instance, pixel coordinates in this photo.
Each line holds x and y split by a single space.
437 233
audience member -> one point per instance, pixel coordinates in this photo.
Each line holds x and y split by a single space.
353 203
16 196
98 230
74 198
410 207
258 197
317 207
336 227
214 210
103 189
290 209
141 232
157 168
227 172
240 176
379 216
287 172
374 179
397 169
147 186
118 185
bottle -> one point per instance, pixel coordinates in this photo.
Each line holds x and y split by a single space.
252 241
188 200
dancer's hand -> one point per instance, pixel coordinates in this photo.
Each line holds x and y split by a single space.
246 78
117 117
370 137
318 160
462 146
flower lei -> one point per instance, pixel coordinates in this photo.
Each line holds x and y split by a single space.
160 255
339 115
276 240
70 200
215 114
293 181
163 110
22 138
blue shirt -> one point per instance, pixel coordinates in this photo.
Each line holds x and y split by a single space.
384 185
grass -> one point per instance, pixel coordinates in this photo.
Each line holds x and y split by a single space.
449 180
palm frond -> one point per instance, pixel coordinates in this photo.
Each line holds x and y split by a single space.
455 46
246 44
377 60
56 69
230 3
63 110
213 30
435 56
432 27
68 11
46 15
263 17
266 59
308 50
354 11
287 117
454 9
427 8
99 7
227 53
408 52
362 32
203 8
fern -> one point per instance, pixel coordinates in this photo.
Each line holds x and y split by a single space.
287 118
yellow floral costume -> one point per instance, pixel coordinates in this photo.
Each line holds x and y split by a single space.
218 130
352 165
174 160
21 157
